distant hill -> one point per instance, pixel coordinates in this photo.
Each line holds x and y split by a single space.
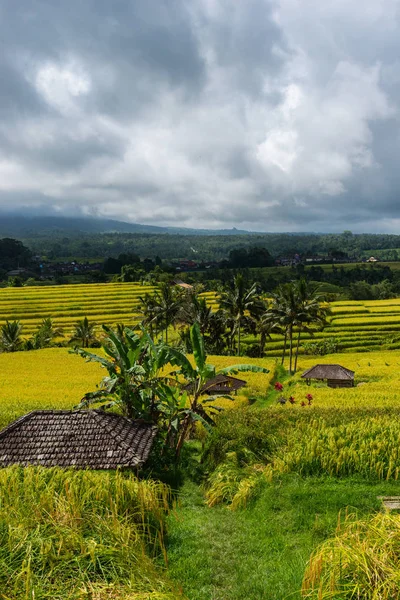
26 226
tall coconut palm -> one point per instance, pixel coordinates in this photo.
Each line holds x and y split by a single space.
312 313
84 332
296 307
10 336
167 305
236 301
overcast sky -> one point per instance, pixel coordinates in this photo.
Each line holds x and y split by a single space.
259 114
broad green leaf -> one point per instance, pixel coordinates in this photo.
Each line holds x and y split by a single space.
199 352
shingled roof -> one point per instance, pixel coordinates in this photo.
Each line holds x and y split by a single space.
221 384
89 439
328 372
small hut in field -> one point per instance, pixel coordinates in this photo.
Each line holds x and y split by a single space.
182 284
335 375
221 384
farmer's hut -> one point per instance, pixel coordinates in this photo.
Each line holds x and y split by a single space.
336 375
182 284
83 439
221 384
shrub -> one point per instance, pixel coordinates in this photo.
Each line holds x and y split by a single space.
322 347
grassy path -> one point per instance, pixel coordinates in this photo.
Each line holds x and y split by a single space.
260 553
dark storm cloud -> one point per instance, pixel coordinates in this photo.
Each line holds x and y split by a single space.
267 114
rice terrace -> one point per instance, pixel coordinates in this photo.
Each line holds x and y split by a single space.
287 472
199 300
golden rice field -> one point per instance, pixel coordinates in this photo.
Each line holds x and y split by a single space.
54 378
377 372
345 431
357 326
107 303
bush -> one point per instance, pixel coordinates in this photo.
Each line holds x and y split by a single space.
320 348
241 431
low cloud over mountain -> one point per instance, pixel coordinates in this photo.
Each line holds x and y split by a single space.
264 115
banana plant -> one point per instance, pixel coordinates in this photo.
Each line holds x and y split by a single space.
134 383
139 385
198 378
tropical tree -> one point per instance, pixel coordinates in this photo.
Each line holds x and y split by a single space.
236 301
265 328
165 307
295 307
313 311
135 382
147 309
10 336
139 385
199 407
46 333
84 332
196 310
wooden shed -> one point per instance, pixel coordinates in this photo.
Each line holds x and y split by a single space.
336 375
221 384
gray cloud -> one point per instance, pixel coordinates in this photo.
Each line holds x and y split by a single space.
265 114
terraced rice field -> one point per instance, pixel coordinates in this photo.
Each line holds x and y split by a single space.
107 303
377 372
55 378
357 326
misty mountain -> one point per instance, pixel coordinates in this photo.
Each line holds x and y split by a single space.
31 226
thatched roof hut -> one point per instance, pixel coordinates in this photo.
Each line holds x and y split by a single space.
83 439
182 284
221 384
336 375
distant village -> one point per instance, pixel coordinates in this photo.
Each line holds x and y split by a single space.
46 269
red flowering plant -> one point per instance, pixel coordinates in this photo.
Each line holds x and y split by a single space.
292 400
303 403
278 386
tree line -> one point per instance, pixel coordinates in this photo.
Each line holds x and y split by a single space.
295 308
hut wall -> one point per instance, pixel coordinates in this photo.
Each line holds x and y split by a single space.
340 383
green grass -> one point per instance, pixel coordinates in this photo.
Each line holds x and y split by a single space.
260 553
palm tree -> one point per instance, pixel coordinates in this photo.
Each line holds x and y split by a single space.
312 313
147 310
84 332
167 304
196 310
10 336
236 301
295 306
266 327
